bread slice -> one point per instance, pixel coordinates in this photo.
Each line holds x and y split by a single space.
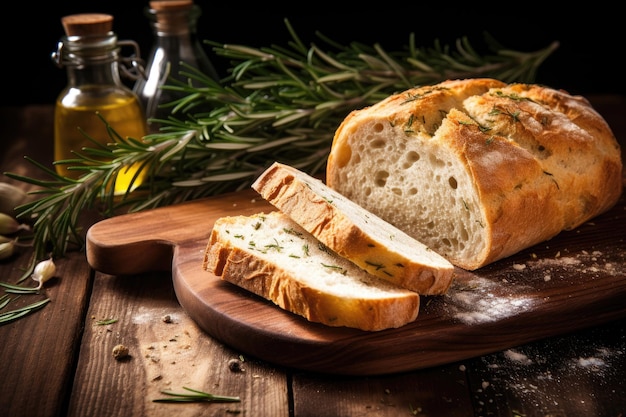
272 256
353 232
478 169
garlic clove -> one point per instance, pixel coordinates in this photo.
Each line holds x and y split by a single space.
8 225
43 271
7 249
11 197
5 239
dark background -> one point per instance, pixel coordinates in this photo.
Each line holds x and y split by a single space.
588 60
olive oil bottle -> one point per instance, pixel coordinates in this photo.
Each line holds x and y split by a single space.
90 52
173 24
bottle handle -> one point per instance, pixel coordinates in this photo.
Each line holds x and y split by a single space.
132 66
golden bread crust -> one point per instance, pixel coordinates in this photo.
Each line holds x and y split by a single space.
354 233
237 251
522 161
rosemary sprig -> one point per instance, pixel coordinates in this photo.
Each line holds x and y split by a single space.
277 104
12 315
18 289
197 396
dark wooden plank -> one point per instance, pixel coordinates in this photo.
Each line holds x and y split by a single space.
163 356
439 391
578 375
39 351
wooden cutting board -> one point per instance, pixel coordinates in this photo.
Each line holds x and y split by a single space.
574 281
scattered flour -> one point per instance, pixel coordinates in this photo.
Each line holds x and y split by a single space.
517 357
584 263
552 377
474 299
478 301
591 362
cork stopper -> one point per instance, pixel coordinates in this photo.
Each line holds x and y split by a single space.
87 24
171 15
171 5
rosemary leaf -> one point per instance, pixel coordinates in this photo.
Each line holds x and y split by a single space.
22 291
197 396
12 315
18 289
106 322
4 301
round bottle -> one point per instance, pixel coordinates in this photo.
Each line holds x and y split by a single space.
173 24
90 52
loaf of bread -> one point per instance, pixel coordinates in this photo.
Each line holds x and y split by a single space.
353 232
272 256
478 169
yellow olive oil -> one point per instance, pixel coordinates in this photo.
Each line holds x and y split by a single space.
122 111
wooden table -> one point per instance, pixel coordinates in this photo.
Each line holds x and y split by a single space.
58 361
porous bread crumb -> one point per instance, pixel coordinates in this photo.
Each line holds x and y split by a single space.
120 352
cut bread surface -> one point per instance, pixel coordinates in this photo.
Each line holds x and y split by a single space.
272 256
353 232
478 169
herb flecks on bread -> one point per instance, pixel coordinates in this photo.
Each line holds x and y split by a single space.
353 232
273 257
478 169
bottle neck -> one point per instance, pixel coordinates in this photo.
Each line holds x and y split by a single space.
90 60
102 74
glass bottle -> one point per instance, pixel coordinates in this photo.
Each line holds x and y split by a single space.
173 24
90 52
